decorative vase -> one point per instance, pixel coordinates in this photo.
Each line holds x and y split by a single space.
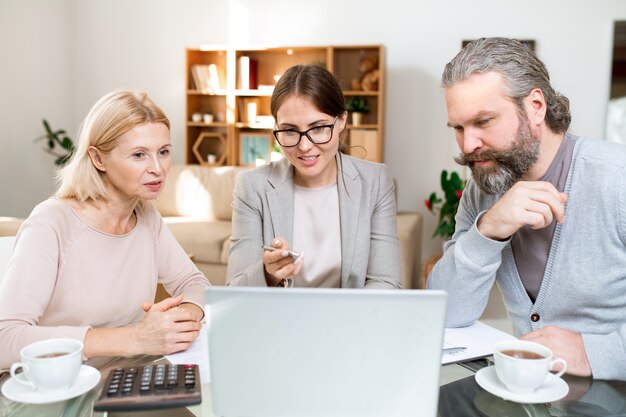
357 118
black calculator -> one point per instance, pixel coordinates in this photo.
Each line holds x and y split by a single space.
150 387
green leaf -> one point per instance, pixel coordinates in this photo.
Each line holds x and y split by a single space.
60 138
357 104
67 143
62 160
450 184
444 180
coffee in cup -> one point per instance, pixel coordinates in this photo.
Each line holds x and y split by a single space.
49 365
523 366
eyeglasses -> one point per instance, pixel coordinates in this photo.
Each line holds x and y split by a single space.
318 135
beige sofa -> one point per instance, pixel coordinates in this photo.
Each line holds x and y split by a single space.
196 205
9 226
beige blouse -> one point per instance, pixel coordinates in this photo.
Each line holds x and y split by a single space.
65 277
317 235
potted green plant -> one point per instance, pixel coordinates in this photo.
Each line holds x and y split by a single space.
57 139
447 206
357 106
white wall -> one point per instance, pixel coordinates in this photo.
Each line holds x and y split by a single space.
65 54
35 83
60 56
141 44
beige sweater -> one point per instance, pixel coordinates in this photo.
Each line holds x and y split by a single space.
65 277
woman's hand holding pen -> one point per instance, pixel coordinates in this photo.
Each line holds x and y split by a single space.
279 263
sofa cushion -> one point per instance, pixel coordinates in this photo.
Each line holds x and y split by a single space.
410 235
202 238
198 191
10 225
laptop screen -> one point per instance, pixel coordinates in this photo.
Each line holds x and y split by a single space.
324 352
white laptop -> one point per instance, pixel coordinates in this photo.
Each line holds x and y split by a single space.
277 352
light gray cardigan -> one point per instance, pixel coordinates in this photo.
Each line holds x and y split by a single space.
584 284
263 210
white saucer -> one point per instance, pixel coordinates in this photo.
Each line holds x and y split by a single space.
87 378
554 388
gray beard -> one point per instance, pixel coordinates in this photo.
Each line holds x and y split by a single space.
510 165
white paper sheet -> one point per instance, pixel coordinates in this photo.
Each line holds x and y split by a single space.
197 353
479 340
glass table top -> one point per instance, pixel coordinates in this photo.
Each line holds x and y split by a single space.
460 395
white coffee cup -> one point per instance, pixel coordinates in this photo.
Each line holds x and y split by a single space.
523 366
49 365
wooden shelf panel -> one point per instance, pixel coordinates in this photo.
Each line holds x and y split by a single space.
202 93
202 124
360 93
260 126
254 93
362 126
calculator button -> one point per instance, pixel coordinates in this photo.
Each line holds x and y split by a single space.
150 387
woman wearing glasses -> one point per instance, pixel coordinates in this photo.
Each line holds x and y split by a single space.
318 217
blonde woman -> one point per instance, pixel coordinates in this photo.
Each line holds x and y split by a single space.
87 261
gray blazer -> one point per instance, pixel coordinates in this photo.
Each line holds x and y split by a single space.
263 210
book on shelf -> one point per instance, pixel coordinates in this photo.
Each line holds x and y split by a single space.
241 110
247 73
252 75
201 78
196 77
207 78
248 109
216 77
244 72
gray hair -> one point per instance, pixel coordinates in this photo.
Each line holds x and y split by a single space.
521 69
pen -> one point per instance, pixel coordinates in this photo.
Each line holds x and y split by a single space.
295 255
455 349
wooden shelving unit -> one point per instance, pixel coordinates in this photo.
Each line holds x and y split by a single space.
234 129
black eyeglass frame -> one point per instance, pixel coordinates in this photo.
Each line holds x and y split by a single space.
305 133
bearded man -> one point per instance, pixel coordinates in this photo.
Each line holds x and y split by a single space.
543 216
